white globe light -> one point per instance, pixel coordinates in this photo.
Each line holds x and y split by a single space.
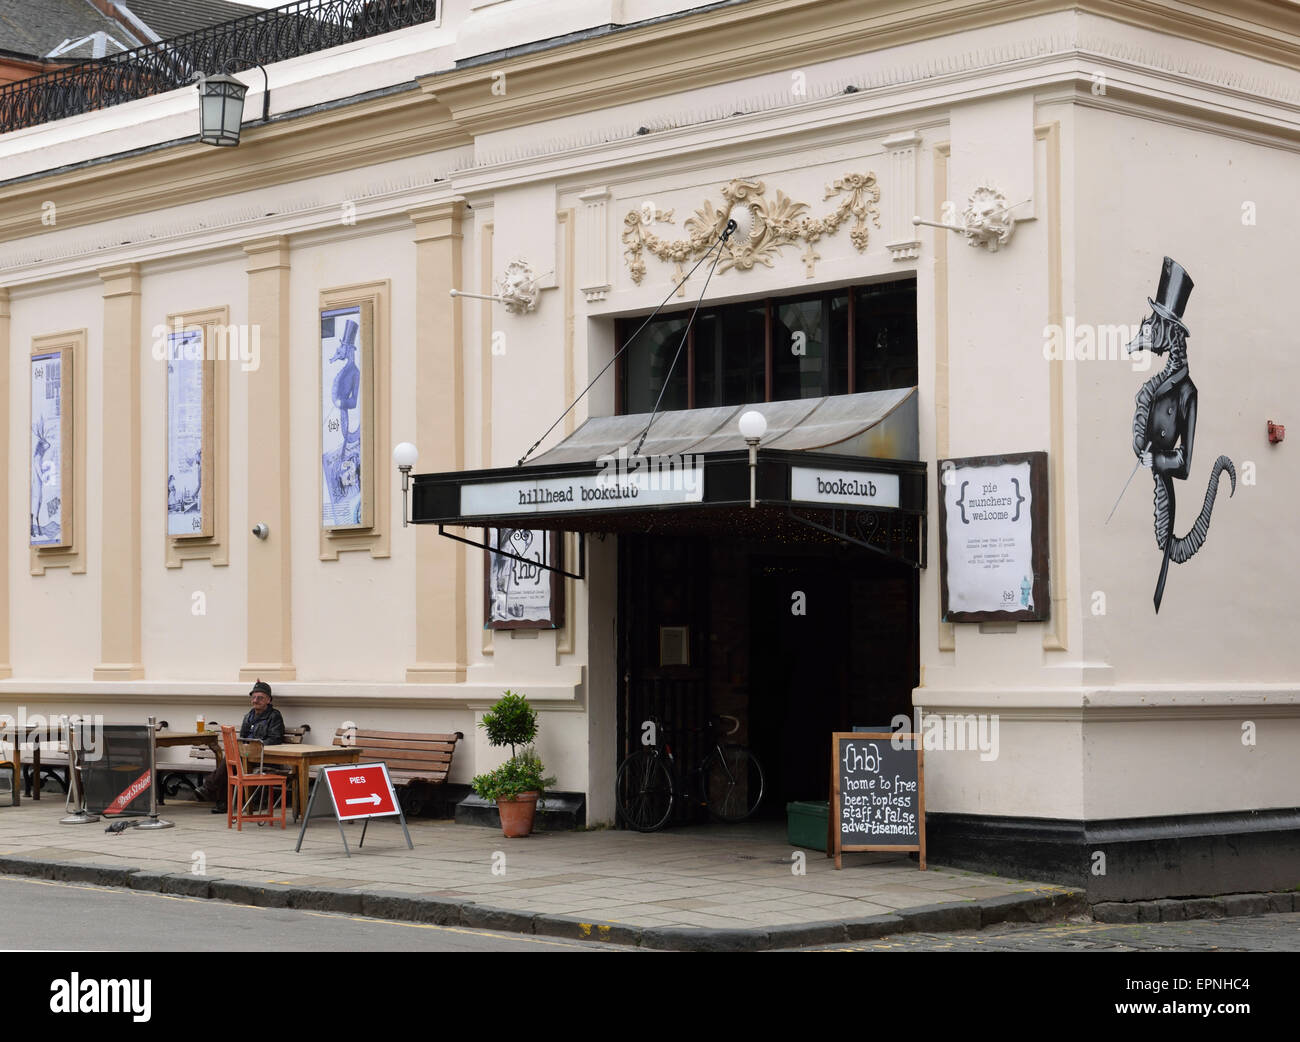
744 218
405 454
753 425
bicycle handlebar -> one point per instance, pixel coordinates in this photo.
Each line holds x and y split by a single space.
734 721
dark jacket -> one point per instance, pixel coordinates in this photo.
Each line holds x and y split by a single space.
269 727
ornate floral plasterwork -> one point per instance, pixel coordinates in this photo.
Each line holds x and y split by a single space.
778 222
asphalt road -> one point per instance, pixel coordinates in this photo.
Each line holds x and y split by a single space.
39 915
1260 933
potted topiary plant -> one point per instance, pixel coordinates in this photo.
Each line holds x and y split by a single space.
518 783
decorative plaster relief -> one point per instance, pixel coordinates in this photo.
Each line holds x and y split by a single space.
987 219
517 289
595 244
903 243
778 222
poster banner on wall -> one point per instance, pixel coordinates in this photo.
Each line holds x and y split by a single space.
993 534
520 593
189 419
51 441
345 415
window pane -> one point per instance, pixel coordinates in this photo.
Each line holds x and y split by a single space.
729 355
839 344
710 339
648 360
885 337
798 350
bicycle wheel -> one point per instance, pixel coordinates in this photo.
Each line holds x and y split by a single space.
644 791
733 784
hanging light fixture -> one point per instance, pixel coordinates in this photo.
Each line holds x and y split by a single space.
221 107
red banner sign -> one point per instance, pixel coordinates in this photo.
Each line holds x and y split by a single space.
140 785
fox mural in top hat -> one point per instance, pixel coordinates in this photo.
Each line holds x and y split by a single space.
1164 422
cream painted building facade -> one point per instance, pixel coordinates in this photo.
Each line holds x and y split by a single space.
574 137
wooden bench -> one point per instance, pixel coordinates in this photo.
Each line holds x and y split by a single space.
411 757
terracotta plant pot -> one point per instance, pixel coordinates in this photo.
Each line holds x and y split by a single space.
517 814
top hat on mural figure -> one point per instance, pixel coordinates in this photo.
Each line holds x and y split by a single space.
1175 289
349 339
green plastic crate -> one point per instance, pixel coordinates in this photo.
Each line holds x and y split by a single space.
806 824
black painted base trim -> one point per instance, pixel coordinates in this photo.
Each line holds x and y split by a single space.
1128 859
562 812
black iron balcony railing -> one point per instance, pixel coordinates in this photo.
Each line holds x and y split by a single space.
261 37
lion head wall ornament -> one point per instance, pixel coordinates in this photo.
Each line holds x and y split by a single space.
518 289
987 219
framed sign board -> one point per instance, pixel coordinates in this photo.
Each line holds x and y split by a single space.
993 538
520 594
189 435
877 793
347 416
50 450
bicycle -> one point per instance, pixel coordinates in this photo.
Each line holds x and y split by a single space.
730 780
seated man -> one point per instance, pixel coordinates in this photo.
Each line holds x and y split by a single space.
263 723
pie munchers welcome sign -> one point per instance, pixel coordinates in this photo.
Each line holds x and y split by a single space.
993 535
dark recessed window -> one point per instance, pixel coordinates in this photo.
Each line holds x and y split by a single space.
838 342
885 336
649 360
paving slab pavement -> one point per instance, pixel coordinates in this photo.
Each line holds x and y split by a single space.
708 887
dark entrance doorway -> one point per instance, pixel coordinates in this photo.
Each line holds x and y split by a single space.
795 641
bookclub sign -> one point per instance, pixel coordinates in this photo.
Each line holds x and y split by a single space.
851 488
644 482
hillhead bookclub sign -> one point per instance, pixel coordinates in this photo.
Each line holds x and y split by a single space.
993 538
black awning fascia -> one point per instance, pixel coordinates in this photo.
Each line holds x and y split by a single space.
435 498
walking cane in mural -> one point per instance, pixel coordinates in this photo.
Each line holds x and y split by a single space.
1164 422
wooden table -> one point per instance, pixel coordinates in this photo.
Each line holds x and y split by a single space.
302 758
168 739
33 738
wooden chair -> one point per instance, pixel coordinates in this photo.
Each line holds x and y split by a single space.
9 765
238 783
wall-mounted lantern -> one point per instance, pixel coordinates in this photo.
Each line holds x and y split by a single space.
221 107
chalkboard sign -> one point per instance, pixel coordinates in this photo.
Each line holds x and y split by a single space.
877 793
